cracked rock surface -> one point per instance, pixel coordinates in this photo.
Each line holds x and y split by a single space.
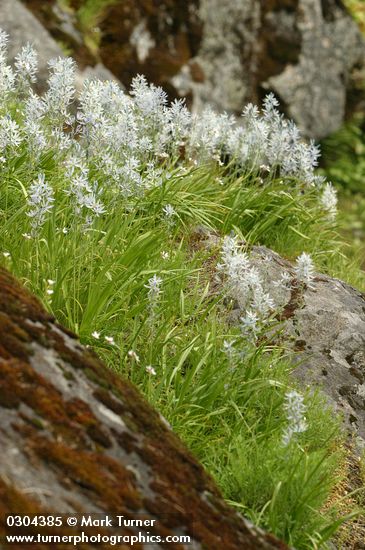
76 438
225 53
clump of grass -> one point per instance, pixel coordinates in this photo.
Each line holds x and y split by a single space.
100 217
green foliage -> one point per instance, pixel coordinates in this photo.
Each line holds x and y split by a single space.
344 155
231 416
89 16
344 165
103 216
357 9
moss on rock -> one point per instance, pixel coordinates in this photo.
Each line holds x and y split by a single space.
88 442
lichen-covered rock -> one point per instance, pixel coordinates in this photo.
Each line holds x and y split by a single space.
74 437
61 23
156 39
228 52
307 52
323 84
225 53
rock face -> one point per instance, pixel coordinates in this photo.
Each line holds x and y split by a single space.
305 51
229 52
310 53
76 438
318 88
156 39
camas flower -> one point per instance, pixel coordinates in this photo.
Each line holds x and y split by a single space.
154 287
130 139
26 64
9 133
4 39
250 324
7 76
61 90
284 282
304 269
329 200
295 410
154 292
169 212
244 282
148 98
40 202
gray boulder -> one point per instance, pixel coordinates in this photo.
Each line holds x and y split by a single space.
325 326
316 89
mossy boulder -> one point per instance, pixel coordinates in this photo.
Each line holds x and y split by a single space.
77 438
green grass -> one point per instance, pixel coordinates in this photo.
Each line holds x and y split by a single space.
344 165
229 412
89 16
230 415
357 9
344 162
